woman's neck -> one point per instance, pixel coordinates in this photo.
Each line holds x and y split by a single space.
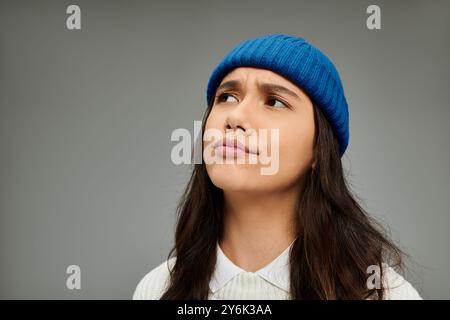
257 227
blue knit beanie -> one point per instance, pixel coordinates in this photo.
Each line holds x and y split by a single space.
301 63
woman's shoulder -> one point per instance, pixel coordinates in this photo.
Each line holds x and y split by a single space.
154 283
397 287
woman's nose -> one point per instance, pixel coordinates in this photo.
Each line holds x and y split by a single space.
239 116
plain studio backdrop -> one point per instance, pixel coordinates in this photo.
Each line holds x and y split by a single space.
86 118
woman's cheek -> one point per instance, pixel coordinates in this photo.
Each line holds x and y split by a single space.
295 150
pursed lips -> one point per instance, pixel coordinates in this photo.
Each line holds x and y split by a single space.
233 144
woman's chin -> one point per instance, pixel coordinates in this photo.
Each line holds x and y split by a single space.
232 177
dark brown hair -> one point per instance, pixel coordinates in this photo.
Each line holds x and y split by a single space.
336 239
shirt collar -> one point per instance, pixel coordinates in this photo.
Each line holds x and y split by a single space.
276 272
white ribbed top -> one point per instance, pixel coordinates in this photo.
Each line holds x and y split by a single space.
251 286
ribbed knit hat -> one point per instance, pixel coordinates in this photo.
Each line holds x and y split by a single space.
301 63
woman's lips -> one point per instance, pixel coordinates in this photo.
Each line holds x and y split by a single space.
228 152
232 147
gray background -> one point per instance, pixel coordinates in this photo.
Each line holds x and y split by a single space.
86 118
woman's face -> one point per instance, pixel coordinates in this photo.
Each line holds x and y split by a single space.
273 121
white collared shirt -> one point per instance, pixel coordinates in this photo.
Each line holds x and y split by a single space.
229 282
276 272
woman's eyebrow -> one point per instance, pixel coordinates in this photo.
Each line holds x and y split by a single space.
271 87
230 84
265 87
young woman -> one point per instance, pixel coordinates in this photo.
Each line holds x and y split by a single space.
287 226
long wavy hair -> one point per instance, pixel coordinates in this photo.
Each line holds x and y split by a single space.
336 239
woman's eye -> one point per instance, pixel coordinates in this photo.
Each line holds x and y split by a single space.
224 98
276 103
